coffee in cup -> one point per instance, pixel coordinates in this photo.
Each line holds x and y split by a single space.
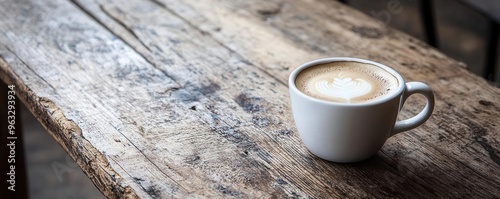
346 82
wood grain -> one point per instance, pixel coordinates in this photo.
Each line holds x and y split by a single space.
175 99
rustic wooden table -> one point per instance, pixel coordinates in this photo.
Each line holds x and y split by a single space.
168 98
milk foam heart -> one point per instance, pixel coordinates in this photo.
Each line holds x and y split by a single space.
347 82
345 88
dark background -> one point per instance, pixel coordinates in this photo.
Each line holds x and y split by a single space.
462 29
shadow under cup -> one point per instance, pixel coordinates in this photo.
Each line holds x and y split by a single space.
350 132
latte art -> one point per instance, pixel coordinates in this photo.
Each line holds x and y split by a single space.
347 82
345 88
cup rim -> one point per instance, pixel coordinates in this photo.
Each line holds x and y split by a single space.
295 72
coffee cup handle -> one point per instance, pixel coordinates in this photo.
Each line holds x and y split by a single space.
420 118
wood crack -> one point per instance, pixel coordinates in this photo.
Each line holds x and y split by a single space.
100 22
128 190
469 167
478 133
425 186
31 69
127 28
153 163
240 57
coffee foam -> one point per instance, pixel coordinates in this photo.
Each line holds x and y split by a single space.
346 82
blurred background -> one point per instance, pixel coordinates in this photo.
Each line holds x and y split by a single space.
52 174
462 30
465 30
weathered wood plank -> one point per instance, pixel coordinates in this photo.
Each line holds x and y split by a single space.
427 68
192 101
414 59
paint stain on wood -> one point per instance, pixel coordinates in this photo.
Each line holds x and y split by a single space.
270 11
153 191
191 93
285 132
260 121
194 160
280 181
248 103
209 89
367 32
184 96
485 103
230 192
236 136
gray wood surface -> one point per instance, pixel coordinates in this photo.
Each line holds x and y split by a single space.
175 99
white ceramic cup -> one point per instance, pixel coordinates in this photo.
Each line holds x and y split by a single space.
343 132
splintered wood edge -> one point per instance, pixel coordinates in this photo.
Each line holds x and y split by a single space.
69 136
